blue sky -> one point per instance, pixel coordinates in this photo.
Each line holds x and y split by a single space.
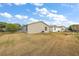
50 13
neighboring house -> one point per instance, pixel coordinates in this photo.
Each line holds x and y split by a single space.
74 28
61 28
38 27
54 28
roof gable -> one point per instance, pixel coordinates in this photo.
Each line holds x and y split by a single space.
38 22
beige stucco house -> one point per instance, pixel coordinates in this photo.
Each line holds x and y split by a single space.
38 27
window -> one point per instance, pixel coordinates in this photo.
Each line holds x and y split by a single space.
45 28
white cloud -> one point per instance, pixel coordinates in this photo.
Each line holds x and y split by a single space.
47 13
43 11
19 4
38 4
54 11
33 19
55 18
7 15
21 16
10 16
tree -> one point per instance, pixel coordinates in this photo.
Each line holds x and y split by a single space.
2 26
12 27
19 26
70 28
9 27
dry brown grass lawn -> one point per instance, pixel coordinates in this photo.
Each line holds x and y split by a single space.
49 44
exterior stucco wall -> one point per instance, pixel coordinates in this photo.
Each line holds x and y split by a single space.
37 28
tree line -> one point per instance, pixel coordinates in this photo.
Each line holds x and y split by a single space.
12 27
9 27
